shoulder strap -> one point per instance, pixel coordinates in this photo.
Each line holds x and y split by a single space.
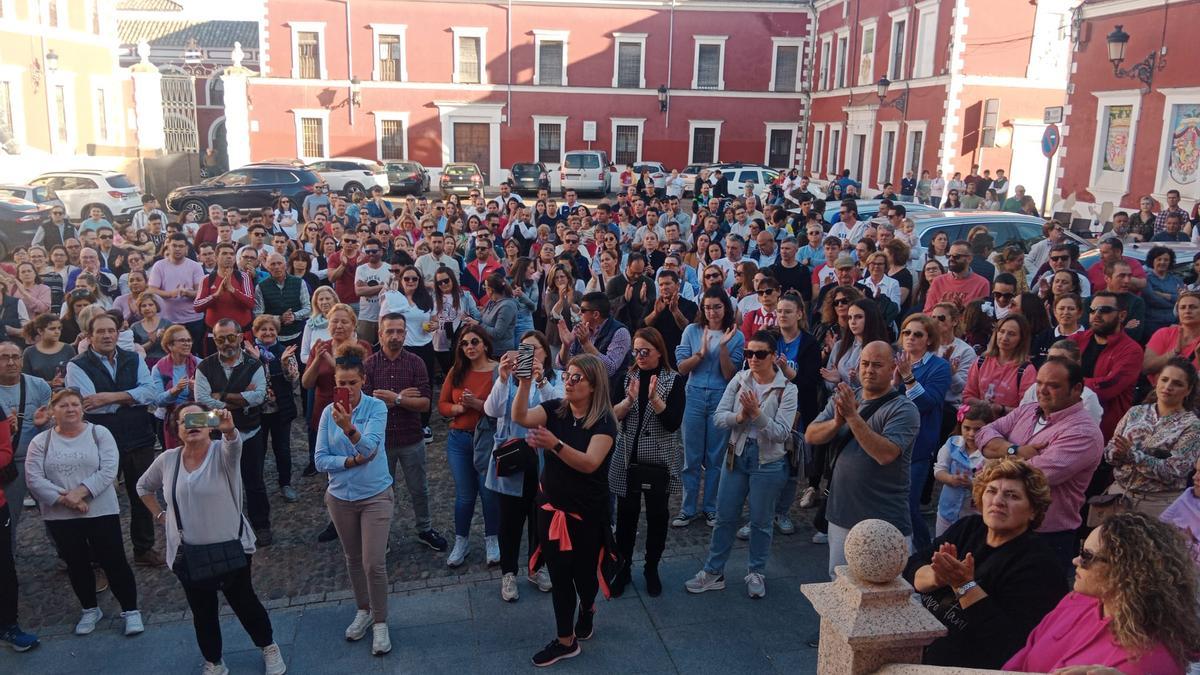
175 496
980 360
865 412
1021 372
16 433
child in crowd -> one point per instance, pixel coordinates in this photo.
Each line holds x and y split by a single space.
956 464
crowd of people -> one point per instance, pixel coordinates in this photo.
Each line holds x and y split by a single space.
712 352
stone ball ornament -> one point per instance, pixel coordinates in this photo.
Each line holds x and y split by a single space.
876 551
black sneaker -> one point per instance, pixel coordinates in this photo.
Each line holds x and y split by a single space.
710 518
309 471
584 628
555 652
263 537
328 534
428 434
433 539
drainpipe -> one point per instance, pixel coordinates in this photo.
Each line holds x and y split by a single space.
670 62
349 61
508 52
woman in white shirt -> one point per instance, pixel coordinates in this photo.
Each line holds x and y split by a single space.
412 299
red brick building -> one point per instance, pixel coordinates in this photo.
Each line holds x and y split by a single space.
975 76
1127 137
502 83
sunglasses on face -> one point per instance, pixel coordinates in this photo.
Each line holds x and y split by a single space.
767 291
712 276
841 302
233 337
349 241
573 378
958 256
106 236
941 317
1088 558
472 342
411 279
443 282
643 353
1060 258
908 332
1103 309
1002 296
760 354
371 251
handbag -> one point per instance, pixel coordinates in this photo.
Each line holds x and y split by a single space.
649 479
206 565
8 473
513 456
1104 506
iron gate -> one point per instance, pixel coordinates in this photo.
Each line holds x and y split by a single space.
179 114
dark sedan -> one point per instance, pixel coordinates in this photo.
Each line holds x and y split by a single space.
529 177
253 186
407 178
19 219
460 178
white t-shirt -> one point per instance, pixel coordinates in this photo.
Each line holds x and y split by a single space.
368 305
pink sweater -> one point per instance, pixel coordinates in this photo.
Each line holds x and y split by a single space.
1076 634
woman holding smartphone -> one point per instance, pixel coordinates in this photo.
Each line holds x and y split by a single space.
463 393
359 497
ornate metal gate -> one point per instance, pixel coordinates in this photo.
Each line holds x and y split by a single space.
179 114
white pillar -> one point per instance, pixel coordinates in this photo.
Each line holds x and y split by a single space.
237 117
147 103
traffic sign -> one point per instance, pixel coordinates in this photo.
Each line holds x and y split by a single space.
1051 139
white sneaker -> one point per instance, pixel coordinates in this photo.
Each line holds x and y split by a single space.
756 586
133 623
88 620
508 588
462 546
703 581
381 642
358 628
541 579
743 532
820 538
785 525
492 546
217 668
809 498
273 660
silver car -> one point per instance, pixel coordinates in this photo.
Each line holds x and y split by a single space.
1006 228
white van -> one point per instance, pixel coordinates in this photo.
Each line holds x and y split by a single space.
585 170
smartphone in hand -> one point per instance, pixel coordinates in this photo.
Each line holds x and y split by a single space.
342 395
524 369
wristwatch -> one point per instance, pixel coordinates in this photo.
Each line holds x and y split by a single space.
557 447
965 588
1012 450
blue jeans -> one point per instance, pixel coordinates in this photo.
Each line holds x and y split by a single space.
762 484
703 448
460 455
788 494
918 472
523 325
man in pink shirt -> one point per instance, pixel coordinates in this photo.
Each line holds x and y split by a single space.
1111 250
176 279
1058 436
961 285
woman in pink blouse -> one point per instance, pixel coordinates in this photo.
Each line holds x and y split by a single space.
30 289
1133 608
1003 373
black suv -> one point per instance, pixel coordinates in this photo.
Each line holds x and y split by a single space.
253 186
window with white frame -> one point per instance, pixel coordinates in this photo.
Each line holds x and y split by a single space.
826 54
991 118
627 141
1177 166
550 58
7 119
785 64
470 52
629 60
216 91
390 63
781 146
12 112
709 71
927 19
843 45
103 128
896 68
62 118
887 152
818 145
914 147
866 56
704 141
548 135
391 139
835 148
312 133
308 50
54 13
1115 143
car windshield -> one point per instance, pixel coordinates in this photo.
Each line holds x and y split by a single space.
526 169
396 166
119 181
582 162
460 170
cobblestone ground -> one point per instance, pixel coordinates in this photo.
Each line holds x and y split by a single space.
295 569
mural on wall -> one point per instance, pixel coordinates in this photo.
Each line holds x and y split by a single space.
1183 161
1116 137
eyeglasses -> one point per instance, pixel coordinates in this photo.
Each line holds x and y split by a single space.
349 241
958 256
941 317
768 291
642 353
412 279
571 241
1103 309
1088 558
760 354
182 341
908 332
106 236
573 378
370 251
841 302
1060 258
443 282
473 342
714 275
232 337
1003 296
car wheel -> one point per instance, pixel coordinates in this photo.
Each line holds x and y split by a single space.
196 207
352 189
87 212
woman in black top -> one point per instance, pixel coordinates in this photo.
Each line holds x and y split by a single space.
650 442
577 434
989 577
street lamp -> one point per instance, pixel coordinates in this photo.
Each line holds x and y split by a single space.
662 98
355 92
1143 72
901 101
51 61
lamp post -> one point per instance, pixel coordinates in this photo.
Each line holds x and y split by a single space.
355 92
1143 72
51 61
663 98
899 103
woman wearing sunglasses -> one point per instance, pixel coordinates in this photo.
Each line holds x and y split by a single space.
451 307
989 577
1001 374
758 408
1133 608
463 394
409 296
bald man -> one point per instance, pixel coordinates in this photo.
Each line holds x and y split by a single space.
284 296
871 432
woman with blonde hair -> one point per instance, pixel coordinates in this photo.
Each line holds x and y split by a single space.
176 371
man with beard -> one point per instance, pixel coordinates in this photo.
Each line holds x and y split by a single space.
233 380
399 379
177 279
671 313
961 285
116 387
792 274
632 294
283 295
1111 359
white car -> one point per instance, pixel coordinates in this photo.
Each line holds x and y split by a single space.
350 175
79 191
760 177
658 173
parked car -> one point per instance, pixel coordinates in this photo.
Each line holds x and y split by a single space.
689 174
351 175
407 178
1184 252
760 177
529 177
79 191
460 178
868 209
585 170
40 195
19 219
253 186
1005 228
658 173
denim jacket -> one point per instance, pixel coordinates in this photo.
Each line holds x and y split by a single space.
777 414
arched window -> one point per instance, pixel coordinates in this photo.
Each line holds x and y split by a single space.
216 91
